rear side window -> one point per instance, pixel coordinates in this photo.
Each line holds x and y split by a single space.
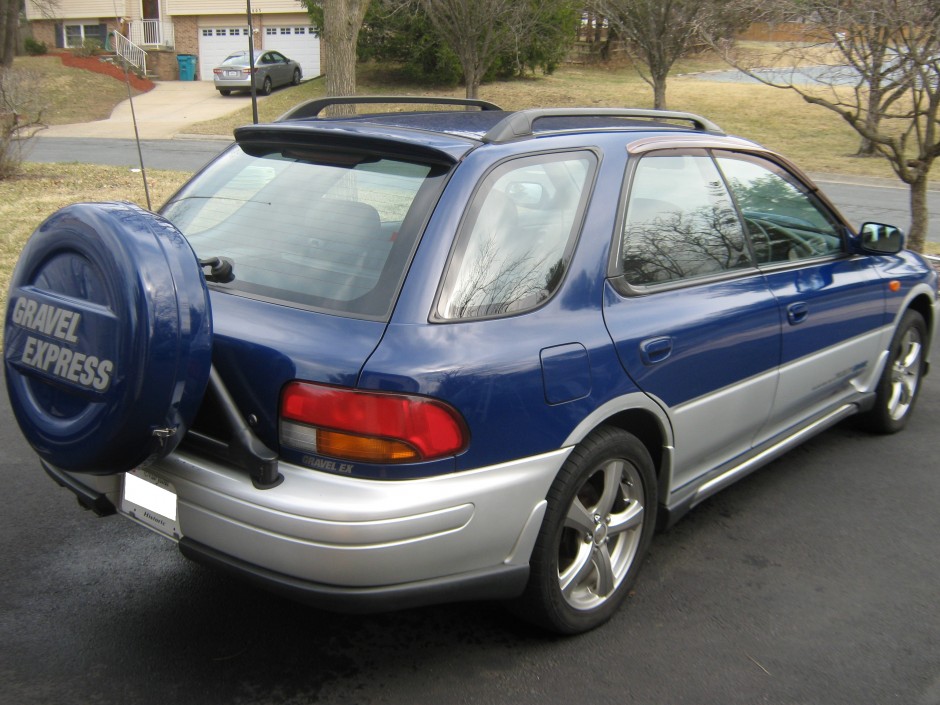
680 223
332 233
517 237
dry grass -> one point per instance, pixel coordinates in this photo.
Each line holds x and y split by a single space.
815 138
42 189
72 95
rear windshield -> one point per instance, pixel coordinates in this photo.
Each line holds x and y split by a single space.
329 231
236 60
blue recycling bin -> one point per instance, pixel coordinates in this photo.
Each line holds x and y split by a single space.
187 64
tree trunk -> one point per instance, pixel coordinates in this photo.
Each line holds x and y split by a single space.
659 92
473 73
342 20
3 31
9 19
920 216
872 119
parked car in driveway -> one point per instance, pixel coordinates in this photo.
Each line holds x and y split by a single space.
272 69
403 358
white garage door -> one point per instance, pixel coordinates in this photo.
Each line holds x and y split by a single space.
298 42
215 43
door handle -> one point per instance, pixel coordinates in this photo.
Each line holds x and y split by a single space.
655 350
797 313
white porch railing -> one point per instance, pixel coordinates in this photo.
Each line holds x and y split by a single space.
130 52
153 33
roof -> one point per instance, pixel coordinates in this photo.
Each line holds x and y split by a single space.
489 123
449 134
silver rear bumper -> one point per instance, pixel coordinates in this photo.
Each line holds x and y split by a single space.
342 541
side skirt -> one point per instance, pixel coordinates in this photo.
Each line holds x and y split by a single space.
759 457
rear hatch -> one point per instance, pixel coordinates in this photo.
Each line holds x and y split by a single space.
306 243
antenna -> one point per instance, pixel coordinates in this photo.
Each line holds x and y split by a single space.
130 98
140 154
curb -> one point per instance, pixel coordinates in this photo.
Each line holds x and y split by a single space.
206 138
876 181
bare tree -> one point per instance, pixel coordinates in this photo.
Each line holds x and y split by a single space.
20 115
479 31
339 22
656 33
876 64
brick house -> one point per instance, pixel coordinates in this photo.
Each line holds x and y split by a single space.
208 29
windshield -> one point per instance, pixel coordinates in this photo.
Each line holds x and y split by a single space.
329 231
236 60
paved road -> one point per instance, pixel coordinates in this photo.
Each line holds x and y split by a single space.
177 155
808 75
814 581
883 203
859 200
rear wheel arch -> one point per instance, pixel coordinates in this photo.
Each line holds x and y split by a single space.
650 426
600 516
640 416
648 429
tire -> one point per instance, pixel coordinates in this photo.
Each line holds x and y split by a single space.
899 386
295 81
594 536
266 86
225 91
108 340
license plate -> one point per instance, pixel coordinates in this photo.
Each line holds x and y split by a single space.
151 501
232 74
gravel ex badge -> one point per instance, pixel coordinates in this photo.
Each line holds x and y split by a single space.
54 357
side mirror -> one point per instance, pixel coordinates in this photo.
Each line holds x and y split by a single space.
880 239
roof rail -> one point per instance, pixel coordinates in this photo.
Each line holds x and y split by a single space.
312 108
519 124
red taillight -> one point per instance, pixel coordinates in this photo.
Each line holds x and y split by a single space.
372 427
249 70
217 72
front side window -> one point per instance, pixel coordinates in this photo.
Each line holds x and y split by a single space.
785 221
517 237
680 222
329 231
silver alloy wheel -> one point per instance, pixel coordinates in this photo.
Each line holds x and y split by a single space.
905 373
601 535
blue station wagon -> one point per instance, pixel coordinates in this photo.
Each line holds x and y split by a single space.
374 361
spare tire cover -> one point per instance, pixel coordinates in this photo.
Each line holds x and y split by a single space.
108 338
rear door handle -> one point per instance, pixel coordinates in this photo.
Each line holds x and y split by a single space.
797 313
655 350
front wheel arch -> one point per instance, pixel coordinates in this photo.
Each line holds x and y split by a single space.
902 377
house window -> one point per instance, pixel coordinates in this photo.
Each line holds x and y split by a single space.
285 30
76 34
270 31
300 30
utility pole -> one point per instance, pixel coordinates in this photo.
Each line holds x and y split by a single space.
251 65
